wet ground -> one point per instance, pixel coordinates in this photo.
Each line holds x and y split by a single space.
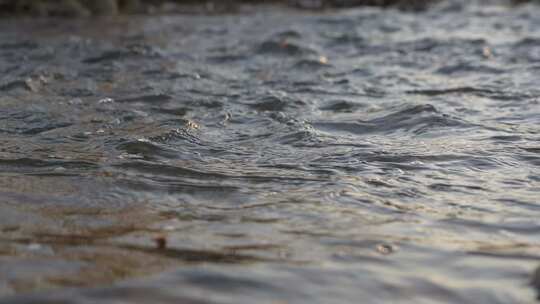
272 156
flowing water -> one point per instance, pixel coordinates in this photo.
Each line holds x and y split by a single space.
272 156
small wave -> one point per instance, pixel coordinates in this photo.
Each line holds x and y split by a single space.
462 68
417 119
39 166
20 45
146 149
154 99
458 90
275 103
231 58
342 106
168 170
288 34
528 42
29 122
15 84
481 92
122 54
284 47
311 64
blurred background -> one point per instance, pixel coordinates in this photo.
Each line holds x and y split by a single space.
269 152
112 7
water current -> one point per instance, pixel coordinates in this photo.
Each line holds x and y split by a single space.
272 156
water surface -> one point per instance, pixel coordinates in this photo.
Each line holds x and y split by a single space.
277 156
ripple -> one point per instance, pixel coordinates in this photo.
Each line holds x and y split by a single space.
283 47
481 92
153 99
275 103
38 166
418 120
120 55
146 149
29 122
342 106
462 68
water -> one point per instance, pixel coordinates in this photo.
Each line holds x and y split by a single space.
272 156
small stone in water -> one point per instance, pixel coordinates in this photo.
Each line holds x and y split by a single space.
161 242
192 125
385 249
486 52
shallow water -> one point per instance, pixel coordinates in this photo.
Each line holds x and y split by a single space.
277 156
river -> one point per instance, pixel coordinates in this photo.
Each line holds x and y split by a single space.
272 156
